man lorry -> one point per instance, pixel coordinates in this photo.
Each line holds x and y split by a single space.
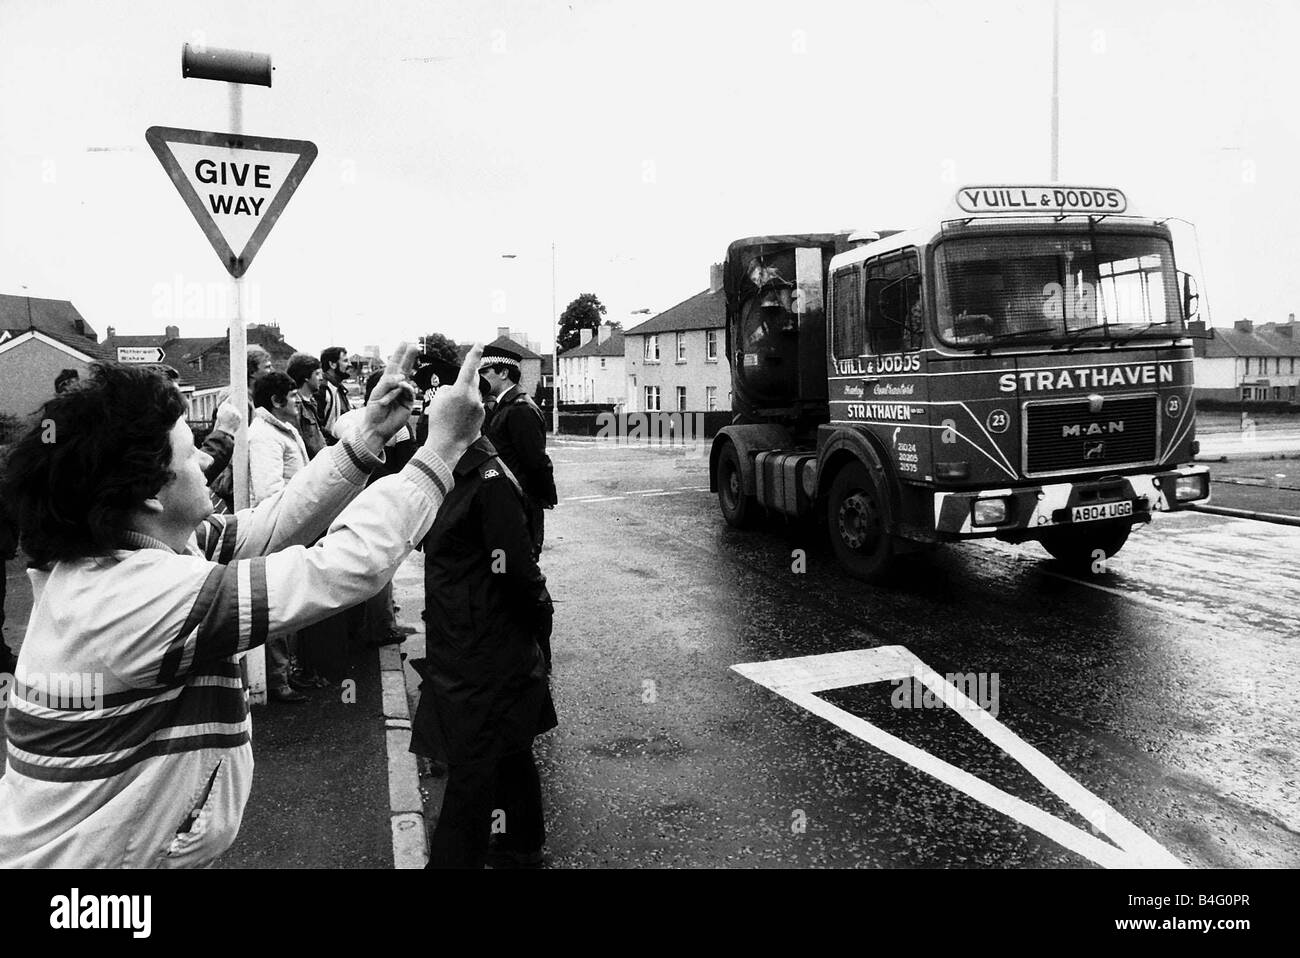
1019 368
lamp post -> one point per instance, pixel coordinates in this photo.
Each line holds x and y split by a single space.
555 347
1056 90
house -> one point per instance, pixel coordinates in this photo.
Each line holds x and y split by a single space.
203 362
1249 364
39 338
595 370
676 361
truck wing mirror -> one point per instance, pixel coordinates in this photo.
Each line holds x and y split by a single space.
1191 296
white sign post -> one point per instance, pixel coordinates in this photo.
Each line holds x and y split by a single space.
236 187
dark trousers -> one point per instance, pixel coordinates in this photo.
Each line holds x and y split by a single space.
483 798
536 525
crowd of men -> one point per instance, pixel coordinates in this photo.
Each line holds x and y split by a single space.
144 576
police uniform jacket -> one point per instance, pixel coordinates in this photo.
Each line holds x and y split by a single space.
518 431
485 691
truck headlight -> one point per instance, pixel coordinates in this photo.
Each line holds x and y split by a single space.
989 512
1188 488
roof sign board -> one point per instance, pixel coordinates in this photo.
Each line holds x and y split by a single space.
1041 199
235 185
139 354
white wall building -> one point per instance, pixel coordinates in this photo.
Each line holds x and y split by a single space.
594 371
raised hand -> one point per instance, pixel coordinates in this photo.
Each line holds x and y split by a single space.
456 412
390 403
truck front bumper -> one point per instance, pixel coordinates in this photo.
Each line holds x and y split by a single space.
1026 509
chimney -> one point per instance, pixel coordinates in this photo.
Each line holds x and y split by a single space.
1199 336
1244 326
503 332
715 277
172 332
584 337
111 332
604 333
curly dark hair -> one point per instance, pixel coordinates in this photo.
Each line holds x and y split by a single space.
269 387
91 457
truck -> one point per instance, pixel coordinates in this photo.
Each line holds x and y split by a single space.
1019 367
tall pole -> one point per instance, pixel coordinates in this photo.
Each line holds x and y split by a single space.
239 345
1056 90
555 357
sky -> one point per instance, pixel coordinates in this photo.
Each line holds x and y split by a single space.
635 139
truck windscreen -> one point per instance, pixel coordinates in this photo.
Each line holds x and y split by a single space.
1082 287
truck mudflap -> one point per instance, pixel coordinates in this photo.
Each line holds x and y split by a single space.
1067 503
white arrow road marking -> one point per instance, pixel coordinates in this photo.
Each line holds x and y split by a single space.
800 679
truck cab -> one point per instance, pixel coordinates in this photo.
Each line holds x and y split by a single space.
1020 369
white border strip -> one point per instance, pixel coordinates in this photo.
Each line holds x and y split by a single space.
800 679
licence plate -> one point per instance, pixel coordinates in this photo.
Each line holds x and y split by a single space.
1101 510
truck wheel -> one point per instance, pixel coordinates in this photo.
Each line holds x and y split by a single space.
855 520
1077 546
737 508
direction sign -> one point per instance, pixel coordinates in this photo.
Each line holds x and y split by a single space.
235 185
140 354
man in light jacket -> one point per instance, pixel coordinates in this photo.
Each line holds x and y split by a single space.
276 454
148 599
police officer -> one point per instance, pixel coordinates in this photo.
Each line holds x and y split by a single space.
517 429
485 693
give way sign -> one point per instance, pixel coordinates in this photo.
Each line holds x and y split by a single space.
235 185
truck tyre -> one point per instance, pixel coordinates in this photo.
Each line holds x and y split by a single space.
1077 546
855 521
737 508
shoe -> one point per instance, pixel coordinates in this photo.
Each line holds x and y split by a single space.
393 636
302 679
287 697
508 858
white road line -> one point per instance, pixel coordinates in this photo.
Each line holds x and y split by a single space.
603 499
800 679
670 492
637 492
594 495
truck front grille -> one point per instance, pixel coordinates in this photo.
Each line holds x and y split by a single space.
1069 437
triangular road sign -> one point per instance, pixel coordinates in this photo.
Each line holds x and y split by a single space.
235 185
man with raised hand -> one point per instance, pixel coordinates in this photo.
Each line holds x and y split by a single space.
147 599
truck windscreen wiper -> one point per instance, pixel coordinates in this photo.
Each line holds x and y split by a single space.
1138 332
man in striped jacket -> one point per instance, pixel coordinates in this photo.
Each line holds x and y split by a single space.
128 732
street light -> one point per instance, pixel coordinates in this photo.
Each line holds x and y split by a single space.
555 347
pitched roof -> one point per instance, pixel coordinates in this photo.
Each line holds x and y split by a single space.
57 318
1228 343
704 310
610 347
87 347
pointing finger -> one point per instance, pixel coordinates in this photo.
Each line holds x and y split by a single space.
402 361
469 368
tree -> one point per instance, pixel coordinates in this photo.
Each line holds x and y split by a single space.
438 346
585 312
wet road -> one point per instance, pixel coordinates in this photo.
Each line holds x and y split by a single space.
1153 701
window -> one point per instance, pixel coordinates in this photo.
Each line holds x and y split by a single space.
652 349
681 347
711 397
711 347
893 304
848 332
602 362
651 398
681 399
